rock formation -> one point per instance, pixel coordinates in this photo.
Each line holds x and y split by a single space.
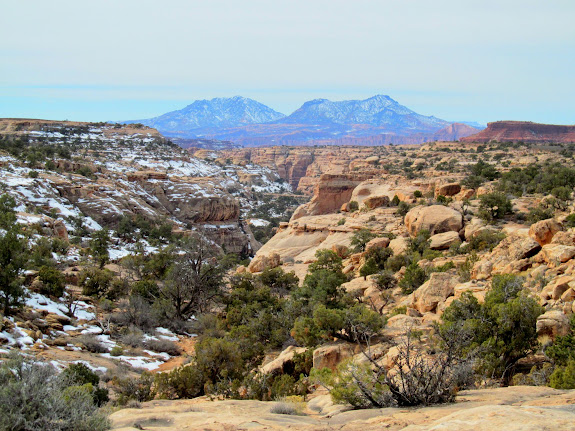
526 131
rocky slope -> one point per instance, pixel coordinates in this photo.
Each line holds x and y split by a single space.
127 171
526 131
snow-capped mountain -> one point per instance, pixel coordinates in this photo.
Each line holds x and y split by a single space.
250 123
376 111
217 113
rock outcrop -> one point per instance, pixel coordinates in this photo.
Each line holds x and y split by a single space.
434 291
543 231
330 193
434 218
526 131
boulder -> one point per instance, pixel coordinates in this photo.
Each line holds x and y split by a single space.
568 295
403 322
553 323
434 291
555 254
564 238
283 361
544 230
434 218
399 245
376 201
450 189
380 242
472 228
261 262
330 355
443 241
511 255
560 286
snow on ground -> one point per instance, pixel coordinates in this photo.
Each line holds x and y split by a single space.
258 222
136 361
38 301
166 334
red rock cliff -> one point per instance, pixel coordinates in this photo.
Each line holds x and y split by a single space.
508 131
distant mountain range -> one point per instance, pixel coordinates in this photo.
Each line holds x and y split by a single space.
250 123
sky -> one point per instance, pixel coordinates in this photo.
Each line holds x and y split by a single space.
459 60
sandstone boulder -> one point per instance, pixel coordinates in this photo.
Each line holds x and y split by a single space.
511 255
434 218
442 241
330 355
261 262
399 245
380 242
279 364
434 291
553 323
564 238
544 230
372 202
450 189
474 226
555 254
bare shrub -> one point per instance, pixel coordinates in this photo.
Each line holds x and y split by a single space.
92 344
163 346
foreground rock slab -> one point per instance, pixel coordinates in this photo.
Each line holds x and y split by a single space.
514 408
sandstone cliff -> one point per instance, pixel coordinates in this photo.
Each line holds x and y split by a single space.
512 131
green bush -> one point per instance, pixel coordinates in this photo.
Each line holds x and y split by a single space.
494 206
128 388
414 277
52 281
368 268
34 398
485 240
539 213
79 375
563 348
360 239
385 280
564 376
402 209
498 332
182 382
94 281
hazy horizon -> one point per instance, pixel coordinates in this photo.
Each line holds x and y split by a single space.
474 61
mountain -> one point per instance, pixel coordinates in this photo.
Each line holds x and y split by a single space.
377 111
374 121
526 131
206 115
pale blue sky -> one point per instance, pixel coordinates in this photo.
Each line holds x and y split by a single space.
129 59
